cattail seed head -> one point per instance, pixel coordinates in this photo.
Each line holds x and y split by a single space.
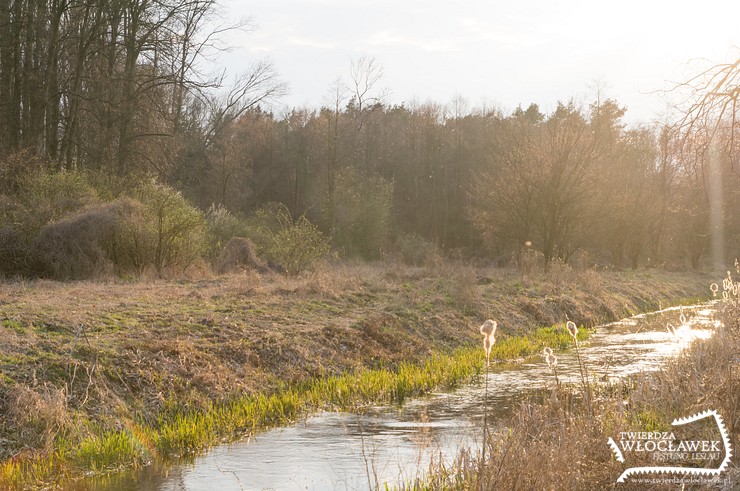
550 358
572 329
552 362
488 329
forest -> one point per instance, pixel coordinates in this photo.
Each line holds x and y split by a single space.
121 155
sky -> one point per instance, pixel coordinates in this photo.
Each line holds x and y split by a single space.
493 53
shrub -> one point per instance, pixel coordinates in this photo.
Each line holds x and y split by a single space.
172 230
299 246
51 196
133 252
112 186
17 254
264 223
87 244
296 245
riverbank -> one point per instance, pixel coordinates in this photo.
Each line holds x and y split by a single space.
562 442
108 375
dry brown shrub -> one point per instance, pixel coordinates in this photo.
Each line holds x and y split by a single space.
239 254
17 254
84 245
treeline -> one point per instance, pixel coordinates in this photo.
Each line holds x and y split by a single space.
576 183
108 122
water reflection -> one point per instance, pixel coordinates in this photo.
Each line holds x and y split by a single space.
396 444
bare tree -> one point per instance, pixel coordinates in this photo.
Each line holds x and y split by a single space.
711 110
365 73
258 85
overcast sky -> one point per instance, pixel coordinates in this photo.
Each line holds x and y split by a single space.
498 53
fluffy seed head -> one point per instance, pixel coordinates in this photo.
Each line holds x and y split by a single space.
488 329
572 329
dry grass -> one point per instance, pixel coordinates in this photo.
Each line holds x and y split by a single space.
239 254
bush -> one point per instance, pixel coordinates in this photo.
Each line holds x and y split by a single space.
64 233
172 234
264 223
133 252
17 255
299 246
87 244
50 196
296 245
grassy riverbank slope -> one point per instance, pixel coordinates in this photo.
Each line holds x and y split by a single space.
113 367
